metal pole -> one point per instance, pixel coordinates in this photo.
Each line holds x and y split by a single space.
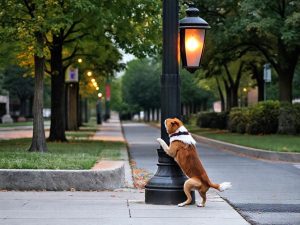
166 186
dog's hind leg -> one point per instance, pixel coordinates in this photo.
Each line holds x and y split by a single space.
202 191
189 185
203 196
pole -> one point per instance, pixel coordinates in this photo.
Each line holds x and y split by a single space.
166 186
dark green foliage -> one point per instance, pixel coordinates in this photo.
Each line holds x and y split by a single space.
263 118
17 83
287 119
212 120
267 117
238 120
140 84
191 92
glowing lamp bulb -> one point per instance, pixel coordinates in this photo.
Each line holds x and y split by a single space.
89 73
99 95
97 88
192 44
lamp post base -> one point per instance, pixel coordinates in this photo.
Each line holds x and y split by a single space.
166 186
164 196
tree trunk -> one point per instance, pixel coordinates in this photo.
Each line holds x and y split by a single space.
233 86
23 105
58 123
72 106
79 108
38 143
287 61
221 95
228 95
285 87
234 96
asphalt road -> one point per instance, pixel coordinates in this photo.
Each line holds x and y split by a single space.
264 192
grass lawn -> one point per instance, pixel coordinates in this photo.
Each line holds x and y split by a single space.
76 154
273 142
16 124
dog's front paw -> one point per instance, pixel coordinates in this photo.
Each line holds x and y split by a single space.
159 140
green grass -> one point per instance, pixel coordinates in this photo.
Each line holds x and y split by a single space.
16 124
273 142
72 155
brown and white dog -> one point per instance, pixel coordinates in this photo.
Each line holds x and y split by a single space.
182 148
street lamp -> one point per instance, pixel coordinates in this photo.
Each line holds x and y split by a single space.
89 73
192 30
166 186
99 108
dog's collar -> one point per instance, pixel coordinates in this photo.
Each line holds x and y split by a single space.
179 133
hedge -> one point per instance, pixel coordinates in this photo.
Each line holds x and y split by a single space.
263 118
238 120
212 120
266 117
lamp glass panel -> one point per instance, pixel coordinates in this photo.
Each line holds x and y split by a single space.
194 41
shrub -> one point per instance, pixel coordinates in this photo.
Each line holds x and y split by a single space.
286 119
190 119
263 118
238 119
212 120
297 116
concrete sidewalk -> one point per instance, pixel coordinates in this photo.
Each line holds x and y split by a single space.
110 130
122 207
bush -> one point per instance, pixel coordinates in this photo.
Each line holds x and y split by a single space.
238 119
263 118
190 119
213 120
297 117
287 119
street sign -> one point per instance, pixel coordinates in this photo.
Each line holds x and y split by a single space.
71 75
267 72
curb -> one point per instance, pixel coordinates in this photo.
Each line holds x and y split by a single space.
63 180
250 152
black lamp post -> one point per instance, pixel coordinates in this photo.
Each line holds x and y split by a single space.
166 186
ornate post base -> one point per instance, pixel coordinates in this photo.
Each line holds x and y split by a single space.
166 186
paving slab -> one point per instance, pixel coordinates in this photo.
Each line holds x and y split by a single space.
122 207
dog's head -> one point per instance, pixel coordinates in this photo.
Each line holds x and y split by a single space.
172 124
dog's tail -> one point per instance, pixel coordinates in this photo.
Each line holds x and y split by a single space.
221 187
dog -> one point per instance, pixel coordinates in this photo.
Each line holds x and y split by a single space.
183 149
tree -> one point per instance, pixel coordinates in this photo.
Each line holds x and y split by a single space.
140 85
270 28
273 29
107 27
27 21
193 97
